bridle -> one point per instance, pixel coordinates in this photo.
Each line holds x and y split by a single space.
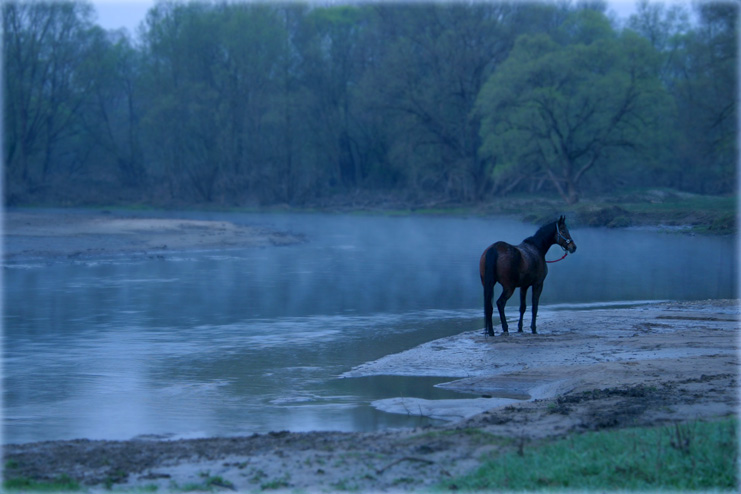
566 240
560 235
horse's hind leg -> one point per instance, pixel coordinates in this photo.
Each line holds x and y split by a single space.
489 308
501 302
537 290
523 306
487 269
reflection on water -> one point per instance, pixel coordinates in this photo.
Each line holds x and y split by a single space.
242 341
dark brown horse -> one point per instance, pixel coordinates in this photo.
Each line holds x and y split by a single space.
523 266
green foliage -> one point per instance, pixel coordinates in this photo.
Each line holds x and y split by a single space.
249 104
705 94
690 456
554 111
46 45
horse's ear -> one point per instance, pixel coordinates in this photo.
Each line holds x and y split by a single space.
562 220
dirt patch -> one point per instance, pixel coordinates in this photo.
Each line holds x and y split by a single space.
589 370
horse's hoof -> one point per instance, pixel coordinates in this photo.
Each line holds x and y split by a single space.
535 332
519 330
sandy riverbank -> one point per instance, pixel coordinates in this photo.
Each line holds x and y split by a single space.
658 363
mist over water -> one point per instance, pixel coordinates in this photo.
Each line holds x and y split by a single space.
252 340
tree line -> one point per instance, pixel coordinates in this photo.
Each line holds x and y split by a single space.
237 103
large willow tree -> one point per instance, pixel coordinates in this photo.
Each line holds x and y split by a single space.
556 107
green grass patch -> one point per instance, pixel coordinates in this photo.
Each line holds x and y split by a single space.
474 434
282 482
209 484
692 456
61 484
685 203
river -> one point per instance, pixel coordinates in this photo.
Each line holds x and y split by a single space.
232 342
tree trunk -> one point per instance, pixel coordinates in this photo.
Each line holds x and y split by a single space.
572 192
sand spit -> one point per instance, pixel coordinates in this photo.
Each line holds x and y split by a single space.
57 235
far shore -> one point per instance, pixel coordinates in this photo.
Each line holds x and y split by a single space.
662 210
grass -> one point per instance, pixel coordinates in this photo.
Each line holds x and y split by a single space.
209 484
61 484
475 434
649 207
687 202
693 456
706 214
282 482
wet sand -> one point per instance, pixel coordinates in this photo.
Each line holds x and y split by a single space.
576 350
588 369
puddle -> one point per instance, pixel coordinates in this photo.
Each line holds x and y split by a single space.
432 397
372 388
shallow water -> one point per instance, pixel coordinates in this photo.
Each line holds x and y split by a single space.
253 340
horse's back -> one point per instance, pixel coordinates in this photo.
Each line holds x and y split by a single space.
503 255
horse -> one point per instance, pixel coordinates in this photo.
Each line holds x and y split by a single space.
522 266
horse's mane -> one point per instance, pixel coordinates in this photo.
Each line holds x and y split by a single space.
543 235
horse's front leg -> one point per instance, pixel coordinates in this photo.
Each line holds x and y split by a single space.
523 306
501 302
537 290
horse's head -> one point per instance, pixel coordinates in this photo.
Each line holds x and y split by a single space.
563 237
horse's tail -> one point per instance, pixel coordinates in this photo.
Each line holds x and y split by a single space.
488 272
489 269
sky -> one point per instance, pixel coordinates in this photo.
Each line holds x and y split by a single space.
115 14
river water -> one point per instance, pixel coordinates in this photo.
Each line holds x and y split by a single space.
253 340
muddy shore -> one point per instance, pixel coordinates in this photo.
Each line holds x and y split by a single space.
588 370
